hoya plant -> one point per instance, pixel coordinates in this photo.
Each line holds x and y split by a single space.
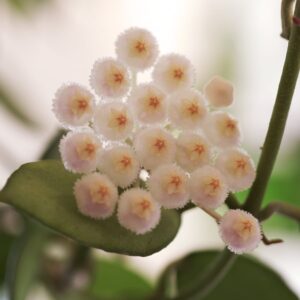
133 156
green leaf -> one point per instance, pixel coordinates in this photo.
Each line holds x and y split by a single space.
113 280
23 262
43 190
248 278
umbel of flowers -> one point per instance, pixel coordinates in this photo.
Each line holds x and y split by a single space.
161 143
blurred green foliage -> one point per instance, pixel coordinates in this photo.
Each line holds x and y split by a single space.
114 280
25 5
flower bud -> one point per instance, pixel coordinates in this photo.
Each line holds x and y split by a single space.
238 168
137 211
169 186
154 146
109 78
208 187
79 151
96 196
219 92
173 72
137 48
240 231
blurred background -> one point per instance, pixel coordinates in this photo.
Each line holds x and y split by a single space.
44 43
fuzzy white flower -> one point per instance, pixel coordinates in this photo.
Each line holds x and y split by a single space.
113 120
173 72
187 109
208 187
154 146
73 105
193 151
238 168
109 78
79 151
223 129
240 231
120 163
138 211
219 92
169 186
96 196
149 103
137 48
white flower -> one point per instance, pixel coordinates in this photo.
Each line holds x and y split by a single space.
238 168
208 187
148 103
169 186
137 48
173 72
223 129
109 78
73 105
219 92
79 151
240 231
96 196
193 151
137 211
154 146
120 163
113 120
187 109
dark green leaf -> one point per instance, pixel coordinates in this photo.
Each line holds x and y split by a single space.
5 245
248 279
113 280
43 190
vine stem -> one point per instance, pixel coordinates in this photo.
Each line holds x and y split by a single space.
278 120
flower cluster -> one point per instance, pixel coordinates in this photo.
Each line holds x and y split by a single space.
146 146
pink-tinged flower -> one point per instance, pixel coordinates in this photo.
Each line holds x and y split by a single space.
154 146
208 187
187 109
137 48
240 231
219 92
79 151
113 120
109 78
138 211
121 164
223 129
169 186
96 196
193 151
149 104
238 168
173 72
73 105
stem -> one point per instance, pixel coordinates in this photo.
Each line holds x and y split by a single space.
212 213
278 120
286 17
282 208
